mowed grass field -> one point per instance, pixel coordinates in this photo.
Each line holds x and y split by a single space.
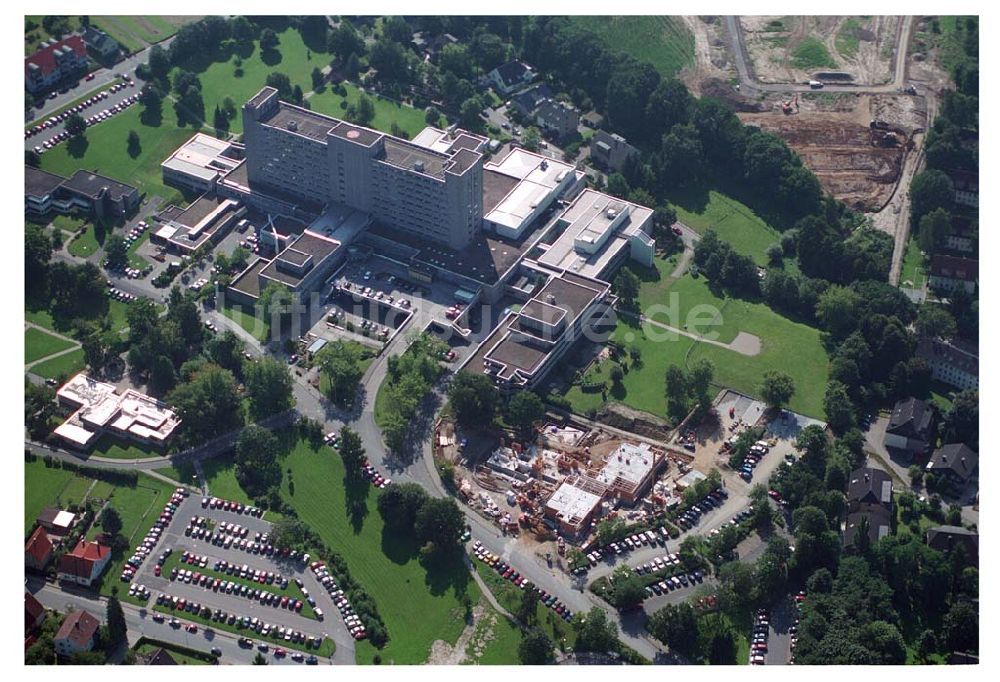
61 367
786 345
42 487
106 151
39 344
664 42
734 222
387 112
292 58
418 605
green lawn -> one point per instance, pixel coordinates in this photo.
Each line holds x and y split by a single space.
39 344
247 320
642 388
148 649
664 42
733 221
114 28
387 112
509 596
116 448
37 35
294 59
417 605
494 641
220 473
42 486
786 345
87 242
151 28
63 366
811 53
43 318
939 395
139 507
913 274
106 150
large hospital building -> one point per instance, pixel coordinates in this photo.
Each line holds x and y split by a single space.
519 225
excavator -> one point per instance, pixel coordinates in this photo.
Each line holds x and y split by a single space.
790 106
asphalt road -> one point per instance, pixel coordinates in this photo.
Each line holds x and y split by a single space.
779 642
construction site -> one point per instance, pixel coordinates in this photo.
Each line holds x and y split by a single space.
844 49
855 144
566 480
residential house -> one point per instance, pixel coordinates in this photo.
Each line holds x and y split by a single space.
431 46
510 77
966 186
527 101
879 523
56 521
101 44
963 237
592 119
54 61
77 633
34 612
955 363
911 427
869 487
610 151
946 538
38 550
85 563
558 119
956 461
161 657
951 272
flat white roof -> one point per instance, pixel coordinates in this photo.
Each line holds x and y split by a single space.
201 156
571 502
518 204
630 462
586 217
74 433
525 165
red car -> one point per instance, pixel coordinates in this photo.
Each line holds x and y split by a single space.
775 495
279 652
89 77
676 230
156 571
192 628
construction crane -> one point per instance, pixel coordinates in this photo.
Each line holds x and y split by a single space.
787 106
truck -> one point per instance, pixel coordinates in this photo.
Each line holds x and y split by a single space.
815 85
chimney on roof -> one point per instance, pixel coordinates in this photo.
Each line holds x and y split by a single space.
418 166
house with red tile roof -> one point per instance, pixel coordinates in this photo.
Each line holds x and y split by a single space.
38 550
54 61
85 563
34 612
76 634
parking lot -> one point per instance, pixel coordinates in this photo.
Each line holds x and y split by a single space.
233 602
380 301
95 109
